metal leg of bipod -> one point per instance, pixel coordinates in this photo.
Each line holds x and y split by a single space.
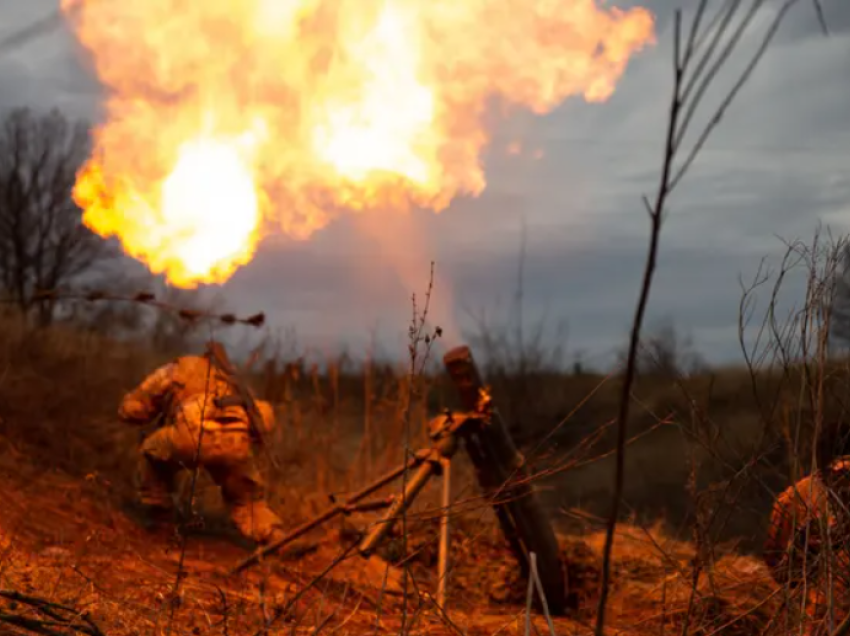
444 447
380 530
443 556
339 508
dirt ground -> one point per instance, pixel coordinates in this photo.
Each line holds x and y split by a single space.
66 541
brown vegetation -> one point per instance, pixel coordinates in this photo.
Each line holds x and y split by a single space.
705 450
69 464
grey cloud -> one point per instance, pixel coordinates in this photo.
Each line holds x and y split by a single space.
590 287
775 166
43 69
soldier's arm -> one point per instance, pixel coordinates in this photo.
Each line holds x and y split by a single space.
143 403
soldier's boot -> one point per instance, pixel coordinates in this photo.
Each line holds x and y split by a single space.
244 492
276 534
256 521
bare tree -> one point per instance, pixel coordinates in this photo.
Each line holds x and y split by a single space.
107 317
665 352
43 242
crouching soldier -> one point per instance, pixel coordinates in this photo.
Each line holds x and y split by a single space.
206 420
809 523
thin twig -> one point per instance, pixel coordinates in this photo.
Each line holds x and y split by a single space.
682 104
145 298
821 16
656 213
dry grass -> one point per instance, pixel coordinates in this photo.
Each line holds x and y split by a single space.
68 466
82 553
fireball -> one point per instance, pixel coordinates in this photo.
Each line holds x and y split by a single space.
229 119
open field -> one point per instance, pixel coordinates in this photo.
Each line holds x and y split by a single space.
705 458
225 134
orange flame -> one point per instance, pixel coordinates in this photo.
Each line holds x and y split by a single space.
225 118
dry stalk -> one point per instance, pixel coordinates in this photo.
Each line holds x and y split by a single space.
694 69
798 349
418 359
180 575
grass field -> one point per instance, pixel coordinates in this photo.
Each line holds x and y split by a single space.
707 453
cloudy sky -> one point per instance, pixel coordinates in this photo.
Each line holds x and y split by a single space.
777 166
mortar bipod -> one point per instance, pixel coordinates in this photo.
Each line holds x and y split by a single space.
502 473
445 431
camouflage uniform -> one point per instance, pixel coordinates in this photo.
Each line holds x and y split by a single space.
195 431
801 518
808 530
